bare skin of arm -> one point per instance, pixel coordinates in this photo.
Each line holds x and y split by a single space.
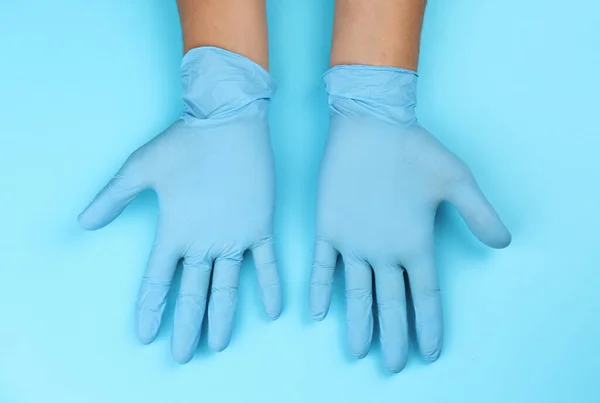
239 26
377 32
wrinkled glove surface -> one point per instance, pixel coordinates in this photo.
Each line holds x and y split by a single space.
213 173
382 179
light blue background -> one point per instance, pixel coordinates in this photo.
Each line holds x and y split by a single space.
511 86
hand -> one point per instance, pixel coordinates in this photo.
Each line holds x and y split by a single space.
382 179
212 171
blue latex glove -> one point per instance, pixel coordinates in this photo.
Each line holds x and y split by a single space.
382 179
213 173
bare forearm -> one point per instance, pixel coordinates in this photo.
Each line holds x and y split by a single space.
239 26
377 32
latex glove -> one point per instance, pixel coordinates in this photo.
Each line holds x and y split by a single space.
381 181
212 171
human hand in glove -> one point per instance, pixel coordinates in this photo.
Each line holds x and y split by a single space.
213 173
382 179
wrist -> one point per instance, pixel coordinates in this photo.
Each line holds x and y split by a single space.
387 93
217 83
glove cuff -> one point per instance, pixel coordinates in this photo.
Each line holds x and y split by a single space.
386 92
218 83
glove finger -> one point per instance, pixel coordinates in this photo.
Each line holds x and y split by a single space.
391 310
268 277
223 300
116 195
425 293
359 303
190 307
321 279
479 214
156 282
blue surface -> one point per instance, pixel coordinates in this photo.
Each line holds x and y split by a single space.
511 87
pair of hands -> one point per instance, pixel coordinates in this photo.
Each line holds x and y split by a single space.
381 180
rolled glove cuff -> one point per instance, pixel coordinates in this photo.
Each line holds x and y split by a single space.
218 83
386 92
